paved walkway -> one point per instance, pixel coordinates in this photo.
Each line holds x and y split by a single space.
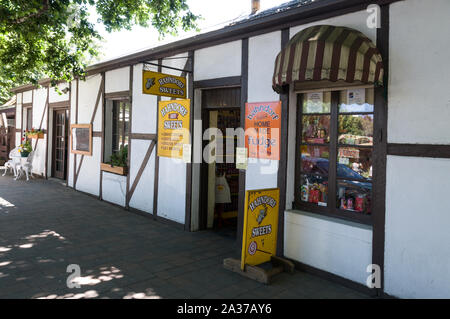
44 227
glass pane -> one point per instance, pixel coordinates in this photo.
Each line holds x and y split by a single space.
316 129
356 129
315 159
317 102
354 162
314 189
356 100
354 196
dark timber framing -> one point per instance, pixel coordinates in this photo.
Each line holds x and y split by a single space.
156 176
61 104
47 134
130 129
183 71
282 167
244 96
419 150
380 151
102 136
69 121
121 94
218 82
189 66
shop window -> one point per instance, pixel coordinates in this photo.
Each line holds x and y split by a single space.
335 153
117 126
29 118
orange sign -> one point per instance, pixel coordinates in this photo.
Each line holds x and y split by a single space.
263 129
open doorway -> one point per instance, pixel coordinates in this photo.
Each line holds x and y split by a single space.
220 178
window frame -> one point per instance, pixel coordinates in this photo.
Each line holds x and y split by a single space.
29 117
330 210
126 132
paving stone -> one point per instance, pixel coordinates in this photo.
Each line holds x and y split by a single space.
120 254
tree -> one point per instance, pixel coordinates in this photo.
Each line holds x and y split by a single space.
349 124
55 39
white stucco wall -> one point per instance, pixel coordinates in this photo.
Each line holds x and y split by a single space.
144 105
55 96
18 118
89 177
88 180
72 121
218 61
143 121
117 80
114 188
39 115
27 96
419 95
172 172
87 97
355 20
262 51
417 250
143 194
332 245
417 253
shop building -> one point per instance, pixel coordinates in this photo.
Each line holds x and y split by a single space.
7 128
364 149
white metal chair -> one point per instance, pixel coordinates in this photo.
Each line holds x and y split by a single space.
10 164
26 167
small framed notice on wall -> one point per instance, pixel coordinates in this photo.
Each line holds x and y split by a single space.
81 139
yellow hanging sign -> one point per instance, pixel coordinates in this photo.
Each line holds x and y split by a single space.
259 241
173 127
163 84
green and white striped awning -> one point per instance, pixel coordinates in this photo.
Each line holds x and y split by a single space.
330 53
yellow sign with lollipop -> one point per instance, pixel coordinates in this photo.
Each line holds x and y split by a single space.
259 241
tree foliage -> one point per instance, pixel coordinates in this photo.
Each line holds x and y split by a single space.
349 124
55 38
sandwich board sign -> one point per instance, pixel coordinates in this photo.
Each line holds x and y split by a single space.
173 127
259 241
162 84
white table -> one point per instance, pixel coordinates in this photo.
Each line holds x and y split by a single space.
17 161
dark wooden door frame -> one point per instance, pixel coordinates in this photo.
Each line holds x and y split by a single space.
282 167
242 173
66 136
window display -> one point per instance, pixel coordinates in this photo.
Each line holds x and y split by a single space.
316 129
336 152
354 196
314 189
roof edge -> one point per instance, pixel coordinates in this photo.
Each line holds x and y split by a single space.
291 17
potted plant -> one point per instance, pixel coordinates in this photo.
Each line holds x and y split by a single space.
118 163
25 148
34 133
